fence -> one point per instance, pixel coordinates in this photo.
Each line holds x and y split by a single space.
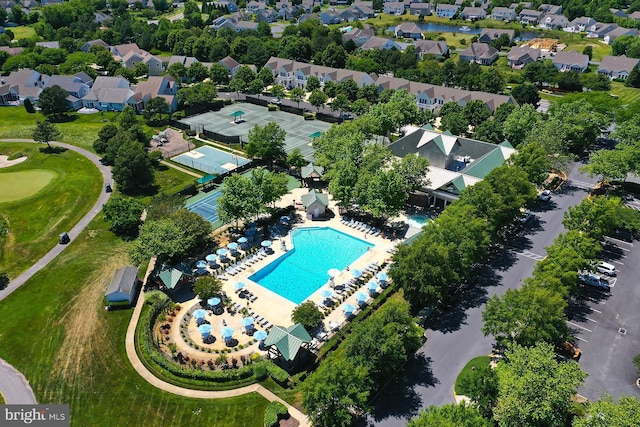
225 139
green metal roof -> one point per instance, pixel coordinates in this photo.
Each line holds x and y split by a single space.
310 170
440 144
506 144
459 183
171 275
481 167
205 179
315 196
288 340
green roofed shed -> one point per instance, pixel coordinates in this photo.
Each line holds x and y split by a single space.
173 276
287 341
315 203
237 115
311 171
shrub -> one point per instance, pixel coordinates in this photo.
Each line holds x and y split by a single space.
277 373
273 413
272 107
309 116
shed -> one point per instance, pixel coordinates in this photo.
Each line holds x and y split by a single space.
312 171
124 285
173 276
285 344
315 203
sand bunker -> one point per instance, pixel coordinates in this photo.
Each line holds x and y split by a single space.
5 162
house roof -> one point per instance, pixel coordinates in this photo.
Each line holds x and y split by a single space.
519 52
289 340
408 28
377 43
311 170
570 58
229 62
68 83
494 33
473 11
171 275
315 196
434 47
616 64
479 50
124 280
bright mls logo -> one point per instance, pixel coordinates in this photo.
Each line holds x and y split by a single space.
36 415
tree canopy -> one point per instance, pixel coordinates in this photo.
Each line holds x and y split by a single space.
267 143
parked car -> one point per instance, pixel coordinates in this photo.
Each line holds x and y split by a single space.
525 217
594 280
569 350
606 268
275 101
545 196
107 188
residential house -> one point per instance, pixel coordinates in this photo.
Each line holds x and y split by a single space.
437 48
359 36
612 35
111 94
446 10
617 67
84 78
379 43
121 50
131 58
408 30
619 13
307 16
223 22
346 15
635 15
100 18
481 53
26 83
338 2
12 51
230 64
519 56
362 10
571 61
49 45
503 14
394 8
246 25
600 29
530 16
85 47
329 17
159 87
186 61
524 4
254 6
473 13
267 15
73 85
579 25
8 94
229 4
487 35
550 9
554 22
423 9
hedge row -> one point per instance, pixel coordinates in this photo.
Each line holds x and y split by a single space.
277 373
273 413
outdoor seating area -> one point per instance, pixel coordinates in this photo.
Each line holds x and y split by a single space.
361 226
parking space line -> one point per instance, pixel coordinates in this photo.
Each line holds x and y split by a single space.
597 311
596 301
618 240
581 339
578 326
618 262
591 320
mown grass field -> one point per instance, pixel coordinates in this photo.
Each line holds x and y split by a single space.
626 95
22 32
467 371
35 222
21 185
55 331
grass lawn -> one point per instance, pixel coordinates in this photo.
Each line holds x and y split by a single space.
2 401
600 50
626 95
467 370
55 331
21 185
36 221
22 32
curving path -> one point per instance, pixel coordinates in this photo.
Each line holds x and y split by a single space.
200 394
13 385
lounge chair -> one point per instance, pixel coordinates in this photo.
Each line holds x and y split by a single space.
263 321
253 298
377 232
267 325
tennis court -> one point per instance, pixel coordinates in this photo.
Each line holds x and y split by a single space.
206 206
210 160
297 128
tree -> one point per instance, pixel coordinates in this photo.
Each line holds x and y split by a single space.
154 109
140 69
481 386
600 216
218 74
267 143
160 5
196 95
456 123
132 169
334 56
609 164
236 199
4 280
360 107
490 131
606 412
313 83
256 86
207 287
534 160
125 216
317 98
476 112
536 390
277 91
28 106
45 132
197 72
588 50
634 78
539 72
520 123
296 95
193 225
266 75
163 205
526 316
526 94
162 239
451 415
569 81
296 160
53 102
308 315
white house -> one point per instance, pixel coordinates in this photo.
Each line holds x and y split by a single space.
503 14
571 61
124 285
617 67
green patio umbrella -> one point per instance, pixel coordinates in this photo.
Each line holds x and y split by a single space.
236 115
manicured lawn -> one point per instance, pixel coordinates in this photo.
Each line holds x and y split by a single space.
36 221
21 185
22 32
467 370
626 95
55 331
600 50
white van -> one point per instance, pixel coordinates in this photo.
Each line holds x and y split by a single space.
606 268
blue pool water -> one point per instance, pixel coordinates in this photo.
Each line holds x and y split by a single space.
303 270
418 221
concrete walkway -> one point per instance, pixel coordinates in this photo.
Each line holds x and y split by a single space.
13 385
200 394
176 167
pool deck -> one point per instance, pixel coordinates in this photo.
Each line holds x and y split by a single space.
273 307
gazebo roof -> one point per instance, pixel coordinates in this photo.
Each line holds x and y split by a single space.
288 340
315 196
171 275
312 171
205 179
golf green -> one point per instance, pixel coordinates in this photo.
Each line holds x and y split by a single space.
20 185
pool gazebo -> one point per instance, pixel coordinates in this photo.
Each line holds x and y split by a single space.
237 116
286 345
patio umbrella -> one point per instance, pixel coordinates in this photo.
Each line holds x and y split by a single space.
348 308
210 258
242 240
372 285
222 252
333 272
356 273
201 264
239 286
265 243
260 335
361 296
251 231
247 321
226 332
382 276
199 314
232 246
213 301
326 293
205 329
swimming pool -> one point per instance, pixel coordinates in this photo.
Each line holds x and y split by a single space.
418 221
303 270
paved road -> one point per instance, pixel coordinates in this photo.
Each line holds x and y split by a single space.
13 384
457 336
